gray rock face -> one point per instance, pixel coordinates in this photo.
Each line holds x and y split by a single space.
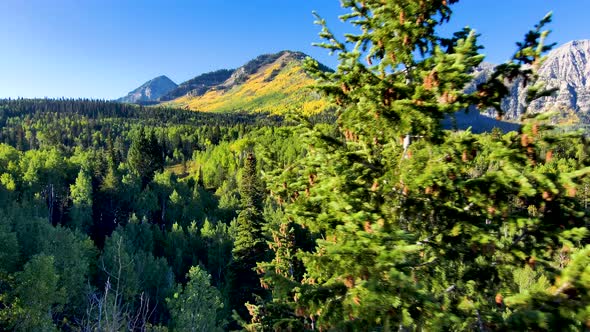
198 85
150 91
566 69
241 74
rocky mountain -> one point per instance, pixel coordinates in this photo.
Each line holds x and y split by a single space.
567 69
273 83
276 83
199 85
150 91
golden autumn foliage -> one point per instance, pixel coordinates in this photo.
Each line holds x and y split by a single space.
275 88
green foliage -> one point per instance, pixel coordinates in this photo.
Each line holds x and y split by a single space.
81 194
251 191
77 165
37 296
195 306
145 156
9 250
361 231
73 254
562 306
424 235
134 284
218 243
249 246
118 269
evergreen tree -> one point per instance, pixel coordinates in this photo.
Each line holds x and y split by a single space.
251 190
249 244
278 313
9 252
195 306
424 235
145 156
219 248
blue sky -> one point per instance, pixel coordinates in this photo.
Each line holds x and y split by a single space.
105 48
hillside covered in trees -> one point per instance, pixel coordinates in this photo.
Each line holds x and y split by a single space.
368 216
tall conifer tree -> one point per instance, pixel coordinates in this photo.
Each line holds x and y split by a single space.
427 235
250 245
145 156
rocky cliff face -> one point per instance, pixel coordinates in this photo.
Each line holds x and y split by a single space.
242 74
567 69
150 91
198 85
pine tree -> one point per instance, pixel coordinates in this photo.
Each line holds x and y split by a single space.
251 190
426 234
277 313
195 306
145 156
9 252
249 244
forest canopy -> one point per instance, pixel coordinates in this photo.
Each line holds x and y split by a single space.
372 217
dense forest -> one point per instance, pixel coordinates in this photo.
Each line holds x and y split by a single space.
115 211
370 217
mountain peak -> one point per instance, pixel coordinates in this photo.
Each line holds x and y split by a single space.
566 69
150 91
292 54
580 43
162 77
570 63
257 64
274 83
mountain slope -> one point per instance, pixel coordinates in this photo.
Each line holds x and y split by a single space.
272 83
276 83
150 91
198 85
567 69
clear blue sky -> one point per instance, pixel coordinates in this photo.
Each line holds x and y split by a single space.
105 48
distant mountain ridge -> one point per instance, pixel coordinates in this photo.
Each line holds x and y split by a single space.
198 85
273 83
566 69
150 91
277 83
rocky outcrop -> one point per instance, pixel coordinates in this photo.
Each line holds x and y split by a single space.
566 69
241 74
150 91
198 85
